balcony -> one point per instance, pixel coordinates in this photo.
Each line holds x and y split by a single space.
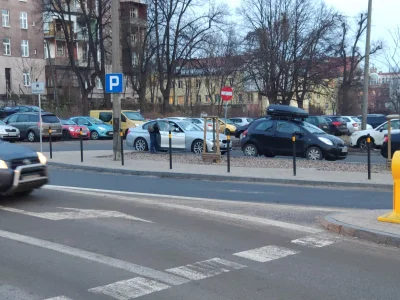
54 34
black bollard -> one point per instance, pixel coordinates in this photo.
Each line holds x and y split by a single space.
369 155
294 153
81 143
170 149
51 144
228 137
122 146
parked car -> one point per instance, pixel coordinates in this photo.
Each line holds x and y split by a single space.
200 122
374 119
9 110
129 118
5 111
226 126
337 126
270 137
8 133
359 138
239 130
21 169
185 136
394 144
29 125
318 121
98 129
71 130
241 121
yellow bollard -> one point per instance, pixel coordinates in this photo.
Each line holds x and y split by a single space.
394 216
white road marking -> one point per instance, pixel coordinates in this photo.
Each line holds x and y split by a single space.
314 241
105 260
205 269
258 220
280 206
267 253
59 298
75 214
130 289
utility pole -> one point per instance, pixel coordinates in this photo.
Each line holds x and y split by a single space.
366 67
116 66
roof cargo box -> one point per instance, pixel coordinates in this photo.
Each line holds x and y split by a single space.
286 111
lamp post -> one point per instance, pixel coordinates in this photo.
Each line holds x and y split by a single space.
366 67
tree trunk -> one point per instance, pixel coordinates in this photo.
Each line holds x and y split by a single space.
85 103
165 102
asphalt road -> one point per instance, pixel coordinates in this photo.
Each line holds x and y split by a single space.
93 245
74 145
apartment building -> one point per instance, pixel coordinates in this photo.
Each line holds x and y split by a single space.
22 58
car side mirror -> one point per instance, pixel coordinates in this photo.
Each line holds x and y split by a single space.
299 134
381 129
87 124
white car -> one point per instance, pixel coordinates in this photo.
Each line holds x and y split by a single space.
8 133
200 122
359 138
354 123
185 136
241 121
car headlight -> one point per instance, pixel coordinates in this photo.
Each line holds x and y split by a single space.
326 141
137 124
71 128
3 164
42 158
101 128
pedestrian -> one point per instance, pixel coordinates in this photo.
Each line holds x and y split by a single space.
157 138
154 132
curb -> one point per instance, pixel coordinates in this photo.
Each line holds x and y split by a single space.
379 237
224 177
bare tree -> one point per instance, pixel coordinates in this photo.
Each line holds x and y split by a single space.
180 26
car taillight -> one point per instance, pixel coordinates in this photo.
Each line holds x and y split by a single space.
355 125
245 133
385 139
337 123
129 130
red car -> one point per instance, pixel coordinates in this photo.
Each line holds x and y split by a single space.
71 130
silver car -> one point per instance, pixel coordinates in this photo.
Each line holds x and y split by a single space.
200 122
8 133
185 136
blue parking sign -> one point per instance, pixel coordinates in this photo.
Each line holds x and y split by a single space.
114 83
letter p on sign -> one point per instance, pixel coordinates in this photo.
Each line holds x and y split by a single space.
114 83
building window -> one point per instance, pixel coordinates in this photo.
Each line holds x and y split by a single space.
133 13
180 84
99 85
240 98
25 48
198 83
26 78
5 17
198 99
6 46
23 17
231 81
60 49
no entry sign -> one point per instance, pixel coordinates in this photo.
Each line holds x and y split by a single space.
226 93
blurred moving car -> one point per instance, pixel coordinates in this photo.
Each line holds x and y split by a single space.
241 121
8 133
129 118
394 145
98 129
359 138
318 121
337 126
21 169
29 125
270 137
374 119
71 130
185 136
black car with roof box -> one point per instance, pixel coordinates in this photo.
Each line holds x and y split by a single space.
270 137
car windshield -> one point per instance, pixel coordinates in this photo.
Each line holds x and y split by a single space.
35 109
356 119
228 121
134 115
312 129
95 121
186 126
68 122
50 119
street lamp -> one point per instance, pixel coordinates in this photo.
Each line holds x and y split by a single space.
366 67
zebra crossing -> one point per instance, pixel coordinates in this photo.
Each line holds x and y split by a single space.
140 286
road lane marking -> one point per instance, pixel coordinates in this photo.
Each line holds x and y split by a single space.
280 206
208 212
130 289
266 253
59 298
314 241
206 268
95 257
75 214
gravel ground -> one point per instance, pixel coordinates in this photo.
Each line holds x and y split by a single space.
261 162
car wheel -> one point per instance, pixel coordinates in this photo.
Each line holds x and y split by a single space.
141 145
65 135
314 153
197 147
94 135
250 150
31 136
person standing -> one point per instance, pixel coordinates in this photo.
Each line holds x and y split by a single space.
154 131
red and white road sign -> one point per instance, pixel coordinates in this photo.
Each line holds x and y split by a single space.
226 93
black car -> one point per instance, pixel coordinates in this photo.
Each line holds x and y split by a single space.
394 145
270 137
9 110
21 169
337 125
318 121
239 130
374 119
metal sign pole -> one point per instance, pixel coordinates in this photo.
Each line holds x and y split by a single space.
40 124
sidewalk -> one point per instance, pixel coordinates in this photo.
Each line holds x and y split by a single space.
364 225
92 161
